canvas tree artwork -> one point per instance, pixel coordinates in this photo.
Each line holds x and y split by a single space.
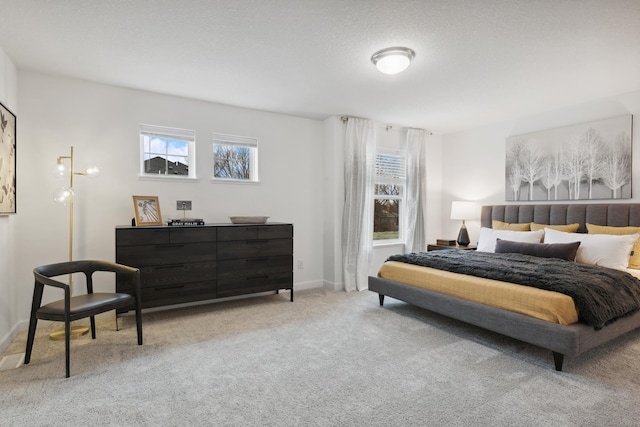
581 162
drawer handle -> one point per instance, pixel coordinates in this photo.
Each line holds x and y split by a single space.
169 267
256 242
168 246
168 288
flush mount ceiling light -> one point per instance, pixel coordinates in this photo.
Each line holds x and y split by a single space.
393 60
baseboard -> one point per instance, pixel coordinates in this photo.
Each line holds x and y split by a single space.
332 286
11 361
12 334
299 286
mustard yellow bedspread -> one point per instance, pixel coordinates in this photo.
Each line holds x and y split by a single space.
546 305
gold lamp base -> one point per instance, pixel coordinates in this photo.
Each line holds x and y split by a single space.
76 332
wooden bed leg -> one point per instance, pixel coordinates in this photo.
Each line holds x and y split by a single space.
558 359
381 298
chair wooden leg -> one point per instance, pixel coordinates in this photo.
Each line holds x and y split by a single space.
93 327
30 337
33 322
67 344
139 320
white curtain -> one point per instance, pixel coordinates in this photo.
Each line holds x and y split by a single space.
416 190
357 218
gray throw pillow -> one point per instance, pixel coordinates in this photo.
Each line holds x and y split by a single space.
566 251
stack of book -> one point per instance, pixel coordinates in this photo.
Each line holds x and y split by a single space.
185 221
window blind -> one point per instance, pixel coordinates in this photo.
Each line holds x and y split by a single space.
244 141
166 132
390 166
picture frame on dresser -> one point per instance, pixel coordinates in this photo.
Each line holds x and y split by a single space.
8 162
147 210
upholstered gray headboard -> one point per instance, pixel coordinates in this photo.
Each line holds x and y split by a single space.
614 214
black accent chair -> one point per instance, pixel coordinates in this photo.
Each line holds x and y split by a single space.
80 306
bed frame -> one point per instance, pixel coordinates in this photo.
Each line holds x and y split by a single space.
562 340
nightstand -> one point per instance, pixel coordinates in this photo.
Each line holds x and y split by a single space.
433 247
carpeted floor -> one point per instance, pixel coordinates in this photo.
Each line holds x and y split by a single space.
327 359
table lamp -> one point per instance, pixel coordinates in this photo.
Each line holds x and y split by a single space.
463 211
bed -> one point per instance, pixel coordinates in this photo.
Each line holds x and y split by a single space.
561 339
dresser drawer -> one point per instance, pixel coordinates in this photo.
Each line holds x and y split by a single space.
139 256
165 235
178 293
237 232
253 232
284 231
142 236
257 283
177 273
192 234
254 248
159 295
241 268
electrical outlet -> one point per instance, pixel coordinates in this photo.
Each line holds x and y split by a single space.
300 265
183 205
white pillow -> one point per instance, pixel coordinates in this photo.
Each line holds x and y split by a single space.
605 250
488 236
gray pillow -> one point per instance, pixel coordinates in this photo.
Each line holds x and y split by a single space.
566 251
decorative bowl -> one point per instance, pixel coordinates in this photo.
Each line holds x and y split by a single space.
248 219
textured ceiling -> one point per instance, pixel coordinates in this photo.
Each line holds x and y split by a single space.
477 61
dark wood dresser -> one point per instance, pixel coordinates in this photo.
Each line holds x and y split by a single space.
193 263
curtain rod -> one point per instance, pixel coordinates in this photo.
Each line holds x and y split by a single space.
386 127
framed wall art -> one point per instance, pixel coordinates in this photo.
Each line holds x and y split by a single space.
7 161
147 210
581 162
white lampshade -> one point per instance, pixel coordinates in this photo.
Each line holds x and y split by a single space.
464 210
393 60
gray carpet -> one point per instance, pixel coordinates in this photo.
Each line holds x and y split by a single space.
327 359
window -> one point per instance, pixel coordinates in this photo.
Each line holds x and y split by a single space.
167 152
389 193
235 158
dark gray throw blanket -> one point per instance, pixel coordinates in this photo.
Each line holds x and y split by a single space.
601 294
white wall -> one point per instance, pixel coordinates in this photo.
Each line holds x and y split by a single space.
9 315
474 160
101 122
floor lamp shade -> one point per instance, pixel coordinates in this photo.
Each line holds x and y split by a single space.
463 211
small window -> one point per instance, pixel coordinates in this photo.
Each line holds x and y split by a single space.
235 158
388 196
167 152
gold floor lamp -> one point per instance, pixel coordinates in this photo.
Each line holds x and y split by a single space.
64 196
